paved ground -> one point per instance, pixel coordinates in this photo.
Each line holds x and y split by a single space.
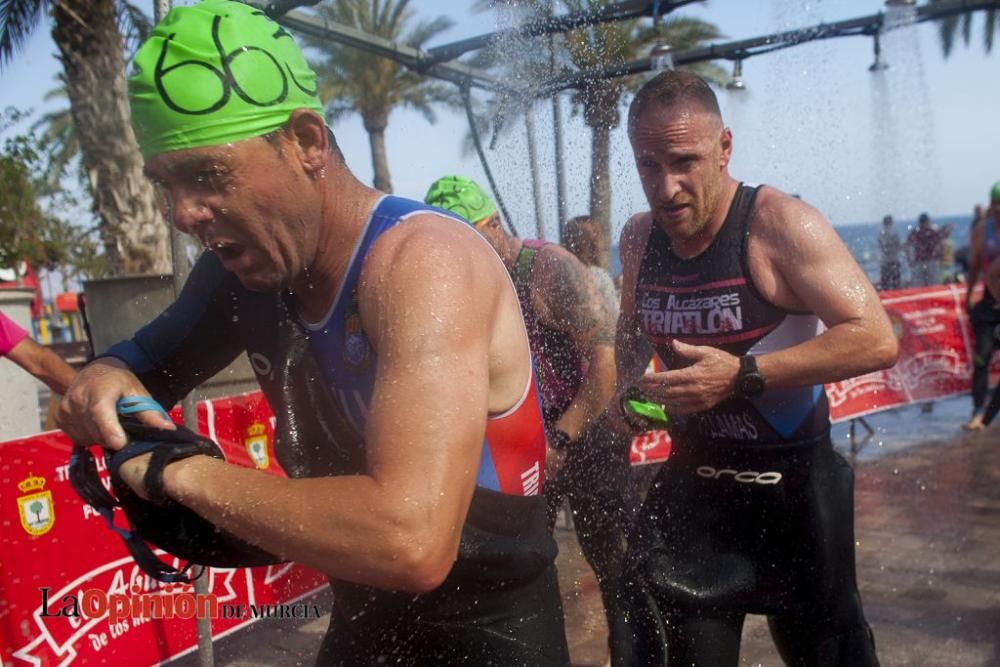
928 531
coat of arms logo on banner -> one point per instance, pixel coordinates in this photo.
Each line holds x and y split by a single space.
36 509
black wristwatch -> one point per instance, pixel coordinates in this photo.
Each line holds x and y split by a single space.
749 381
559 440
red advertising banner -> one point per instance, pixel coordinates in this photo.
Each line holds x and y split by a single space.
71 594
935 355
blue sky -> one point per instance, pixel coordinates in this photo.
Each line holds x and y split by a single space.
813 120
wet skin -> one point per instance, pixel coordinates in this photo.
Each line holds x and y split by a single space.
438 309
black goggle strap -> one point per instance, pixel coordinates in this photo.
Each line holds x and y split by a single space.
84 478
151 564
133 449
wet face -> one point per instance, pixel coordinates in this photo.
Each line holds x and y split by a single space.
490 229
246 202
681 153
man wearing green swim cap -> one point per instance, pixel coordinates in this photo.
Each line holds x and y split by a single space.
984 315
571 330
387 339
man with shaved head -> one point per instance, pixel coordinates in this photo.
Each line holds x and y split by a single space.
750 302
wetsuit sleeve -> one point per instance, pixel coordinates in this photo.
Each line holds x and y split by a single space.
192 340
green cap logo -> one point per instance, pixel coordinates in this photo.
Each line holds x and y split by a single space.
215 73
462 196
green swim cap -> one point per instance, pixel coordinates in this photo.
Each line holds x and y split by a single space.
214 73
462 196
995 192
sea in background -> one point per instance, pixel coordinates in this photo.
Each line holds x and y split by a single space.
862 240
910 425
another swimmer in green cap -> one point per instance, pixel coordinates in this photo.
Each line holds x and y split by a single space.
387 338
572 332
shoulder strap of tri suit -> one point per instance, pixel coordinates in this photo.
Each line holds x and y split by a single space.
524 268
525 264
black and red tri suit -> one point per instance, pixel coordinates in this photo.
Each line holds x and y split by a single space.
753 511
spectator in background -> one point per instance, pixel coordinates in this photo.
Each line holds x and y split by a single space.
890 247
924 253
978 216
947 255
43 363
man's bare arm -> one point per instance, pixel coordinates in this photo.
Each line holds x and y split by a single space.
428 306
975 261
573 305
44 364
632 350
815 273
993 281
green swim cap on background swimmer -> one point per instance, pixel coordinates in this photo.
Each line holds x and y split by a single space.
215 73
995 192
462 196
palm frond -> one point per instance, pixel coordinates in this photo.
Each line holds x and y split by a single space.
134 26
18 19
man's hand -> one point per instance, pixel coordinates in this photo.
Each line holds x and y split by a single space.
616 420
705 383
88 412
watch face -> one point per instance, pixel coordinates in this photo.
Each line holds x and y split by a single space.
751 385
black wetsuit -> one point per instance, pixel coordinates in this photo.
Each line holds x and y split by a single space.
753 511
985 320
596 477
500 603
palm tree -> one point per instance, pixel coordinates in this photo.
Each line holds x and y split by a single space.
600 100
91 49
586 48
354 81
949 27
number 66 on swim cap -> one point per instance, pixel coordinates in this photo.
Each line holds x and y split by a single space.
215 73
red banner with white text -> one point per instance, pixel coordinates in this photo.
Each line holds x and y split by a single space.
70 594
935 355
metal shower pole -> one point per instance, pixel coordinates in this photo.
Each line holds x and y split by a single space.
189 408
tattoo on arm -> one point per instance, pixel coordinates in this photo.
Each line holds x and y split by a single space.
578 307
